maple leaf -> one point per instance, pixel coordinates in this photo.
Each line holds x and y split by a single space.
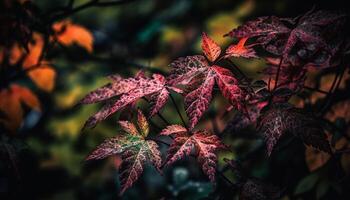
239 50
197 101
281 35
251 188
129 90
210 48
228 85
315 159
199 77
68 33
11 101
256 189
40 71
184 69
133 147
291 77
203 143
279 120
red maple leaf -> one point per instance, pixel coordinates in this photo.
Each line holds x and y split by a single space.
199 77
202 143
279 120
134 149
129 90
210 48
291 77
240 50
309 36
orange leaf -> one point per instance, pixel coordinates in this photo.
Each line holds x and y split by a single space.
68 33
210 48
44 77
16 54
239 50
11 101
315 159
35 50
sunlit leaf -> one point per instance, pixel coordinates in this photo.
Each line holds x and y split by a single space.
68 33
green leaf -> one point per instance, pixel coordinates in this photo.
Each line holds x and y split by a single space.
306 184
322 188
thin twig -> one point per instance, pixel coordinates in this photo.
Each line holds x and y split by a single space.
315 89
237 68
178 111
335 85
158 114
226 179
92 3
278 74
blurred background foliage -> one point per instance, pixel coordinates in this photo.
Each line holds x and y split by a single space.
148 34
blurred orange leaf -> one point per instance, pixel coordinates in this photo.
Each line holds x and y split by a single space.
41 73
315 159
68 33
44 77
11 101
35 51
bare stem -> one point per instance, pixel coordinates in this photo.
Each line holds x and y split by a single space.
178 110
316 90
93 3
278 74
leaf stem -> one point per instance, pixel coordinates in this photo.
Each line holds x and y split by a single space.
278 74
316 90
178 110
335 85
92 3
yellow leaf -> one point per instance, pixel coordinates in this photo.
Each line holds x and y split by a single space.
11 100
44 77
68 33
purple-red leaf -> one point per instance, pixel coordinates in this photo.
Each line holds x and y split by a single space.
197 101
173 130
158 100
130 90
228 85
202 143
279 120
133 148
185 68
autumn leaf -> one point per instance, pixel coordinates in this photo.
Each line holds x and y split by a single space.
228 85
315 159
40 71
197 101
203 143
130 90
68 33
280 35
173 130
133 148
279 120
210 48
240 50
11 101
44 77
251 188
199 77
184 69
